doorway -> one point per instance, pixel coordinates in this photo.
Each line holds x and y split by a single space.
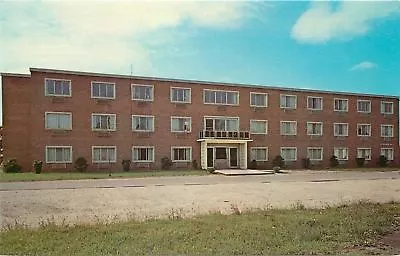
210 157
233 157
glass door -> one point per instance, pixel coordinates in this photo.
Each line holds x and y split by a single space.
233 157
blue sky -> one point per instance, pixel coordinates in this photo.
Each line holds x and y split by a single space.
342 46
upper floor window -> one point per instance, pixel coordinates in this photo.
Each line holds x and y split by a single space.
104 122
142 92
104 154
288 127
58 154
314 128
258 99
221 97
364 106
363 129
103 90
258 126
57 87
341 105
314 103
288 101
341 153
181 154
386 130
221 123
58 120
364 153
388 152
386 107
289 153
142 123
180 95
143 154
340 129
259 153
315 153
181 124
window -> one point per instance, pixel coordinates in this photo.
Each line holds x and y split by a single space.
364 153
104 122
104 154
315 153
142 123
103 90
341 105
144 154
314 128
289 153
258 126
288 127
341 153
181 124
259 153
341 129
258 99
314 103
57 87
386 107
221 97
58 154
58 120
220 153
388 152
386 130
363 129
142 92
288 101
180 95
221 123
181 154
364 106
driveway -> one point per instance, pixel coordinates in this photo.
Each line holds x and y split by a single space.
143 198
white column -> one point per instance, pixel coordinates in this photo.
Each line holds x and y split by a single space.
203 155
243 155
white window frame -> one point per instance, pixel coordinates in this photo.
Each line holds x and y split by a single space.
287 95
182 88
105 161
256 148
102 83
322 128
347 155
369 130
392 149
362 111
104 114
143 161
215 100
259 93
382 109
182 117
370 153
315 97
266 126
61 113
148 116
181 147
341 99
387 125
313 148
295 129
283 148
142 85
57 95
339 135
221 117
55 162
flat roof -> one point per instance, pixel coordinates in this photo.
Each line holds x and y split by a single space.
81 73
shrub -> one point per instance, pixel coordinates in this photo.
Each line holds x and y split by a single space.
11 166
253 164
81 164
195 166
382 161
334 162
166 163
278 161
360 161
276 169
126 165
306 163
37 165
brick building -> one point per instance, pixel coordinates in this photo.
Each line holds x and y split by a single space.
57 116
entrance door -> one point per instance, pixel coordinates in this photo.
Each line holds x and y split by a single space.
210 157
233 157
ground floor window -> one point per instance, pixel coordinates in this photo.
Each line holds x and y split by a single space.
259 153
388 152
220 153
143 154
289 153
315 153
181 154
341 153
104 154
364 153
58 154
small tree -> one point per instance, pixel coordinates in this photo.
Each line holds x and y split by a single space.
382 161
11 166
360 161
334 162
126 165
306 163
37 165
166 163
278 161
81 164
195 166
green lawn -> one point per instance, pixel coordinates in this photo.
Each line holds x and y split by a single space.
353 229
29 176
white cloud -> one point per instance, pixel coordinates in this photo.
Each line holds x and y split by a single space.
364 65
322 22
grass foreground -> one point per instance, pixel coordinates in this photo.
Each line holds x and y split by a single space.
30 176
353 229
